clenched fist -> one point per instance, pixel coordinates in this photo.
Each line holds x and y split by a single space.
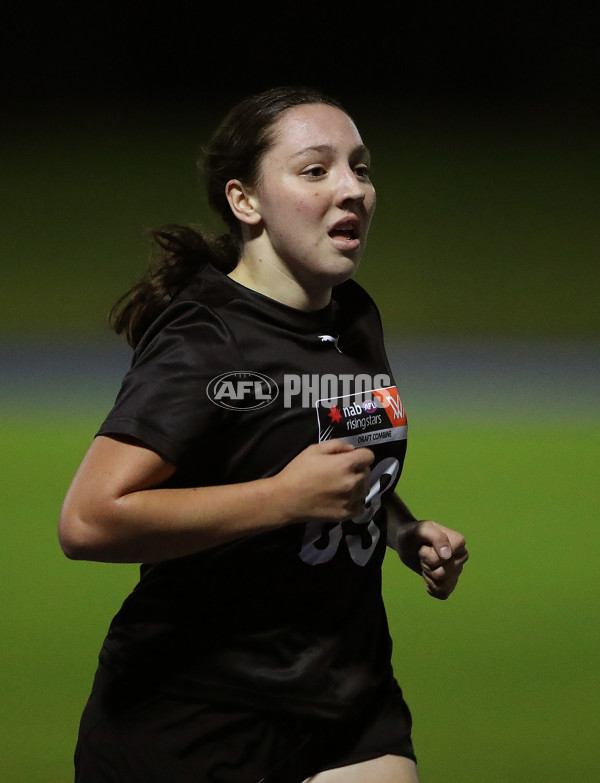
327 481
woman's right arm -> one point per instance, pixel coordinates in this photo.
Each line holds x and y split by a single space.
116 509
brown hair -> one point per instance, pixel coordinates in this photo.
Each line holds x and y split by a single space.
234 152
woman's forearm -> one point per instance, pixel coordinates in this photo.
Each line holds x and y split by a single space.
160 524
399 517
118 508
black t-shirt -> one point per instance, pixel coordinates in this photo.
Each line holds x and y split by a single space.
229 386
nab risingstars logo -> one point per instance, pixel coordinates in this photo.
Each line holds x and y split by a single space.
363 419
242 391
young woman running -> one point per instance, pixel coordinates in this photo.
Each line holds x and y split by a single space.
249 464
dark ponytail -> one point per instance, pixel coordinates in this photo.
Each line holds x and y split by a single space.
178 252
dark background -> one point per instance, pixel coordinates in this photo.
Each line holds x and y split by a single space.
483 121
482 53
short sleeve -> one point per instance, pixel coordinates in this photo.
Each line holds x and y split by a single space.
163 401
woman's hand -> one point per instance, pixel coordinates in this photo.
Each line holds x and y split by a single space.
327 481
435 552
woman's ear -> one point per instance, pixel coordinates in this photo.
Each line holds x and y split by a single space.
243 202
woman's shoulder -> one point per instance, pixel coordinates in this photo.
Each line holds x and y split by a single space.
197 315
352 294
209 287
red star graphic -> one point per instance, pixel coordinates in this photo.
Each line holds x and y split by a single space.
335 415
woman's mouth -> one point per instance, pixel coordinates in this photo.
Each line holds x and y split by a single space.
345 234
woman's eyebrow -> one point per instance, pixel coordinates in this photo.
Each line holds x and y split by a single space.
360 149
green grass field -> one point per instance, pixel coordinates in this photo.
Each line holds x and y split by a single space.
501 679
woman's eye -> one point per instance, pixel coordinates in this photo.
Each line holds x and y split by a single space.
362 171
315 171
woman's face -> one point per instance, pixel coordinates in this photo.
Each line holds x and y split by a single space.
314 196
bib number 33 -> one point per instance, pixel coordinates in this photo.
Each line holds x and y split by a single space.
329 538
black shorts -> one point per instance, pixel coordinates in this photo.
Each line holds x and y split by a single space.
130 736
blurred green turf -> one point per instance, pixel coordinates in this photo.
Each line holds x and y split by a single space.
484 225
501 678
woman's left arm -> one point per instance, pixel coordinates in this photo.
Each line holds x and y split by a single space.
433 551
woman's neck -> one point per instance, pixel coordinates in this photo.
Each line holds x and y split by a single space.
278 284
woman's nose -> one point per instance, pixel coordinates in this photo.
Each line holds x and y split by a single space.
350 187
